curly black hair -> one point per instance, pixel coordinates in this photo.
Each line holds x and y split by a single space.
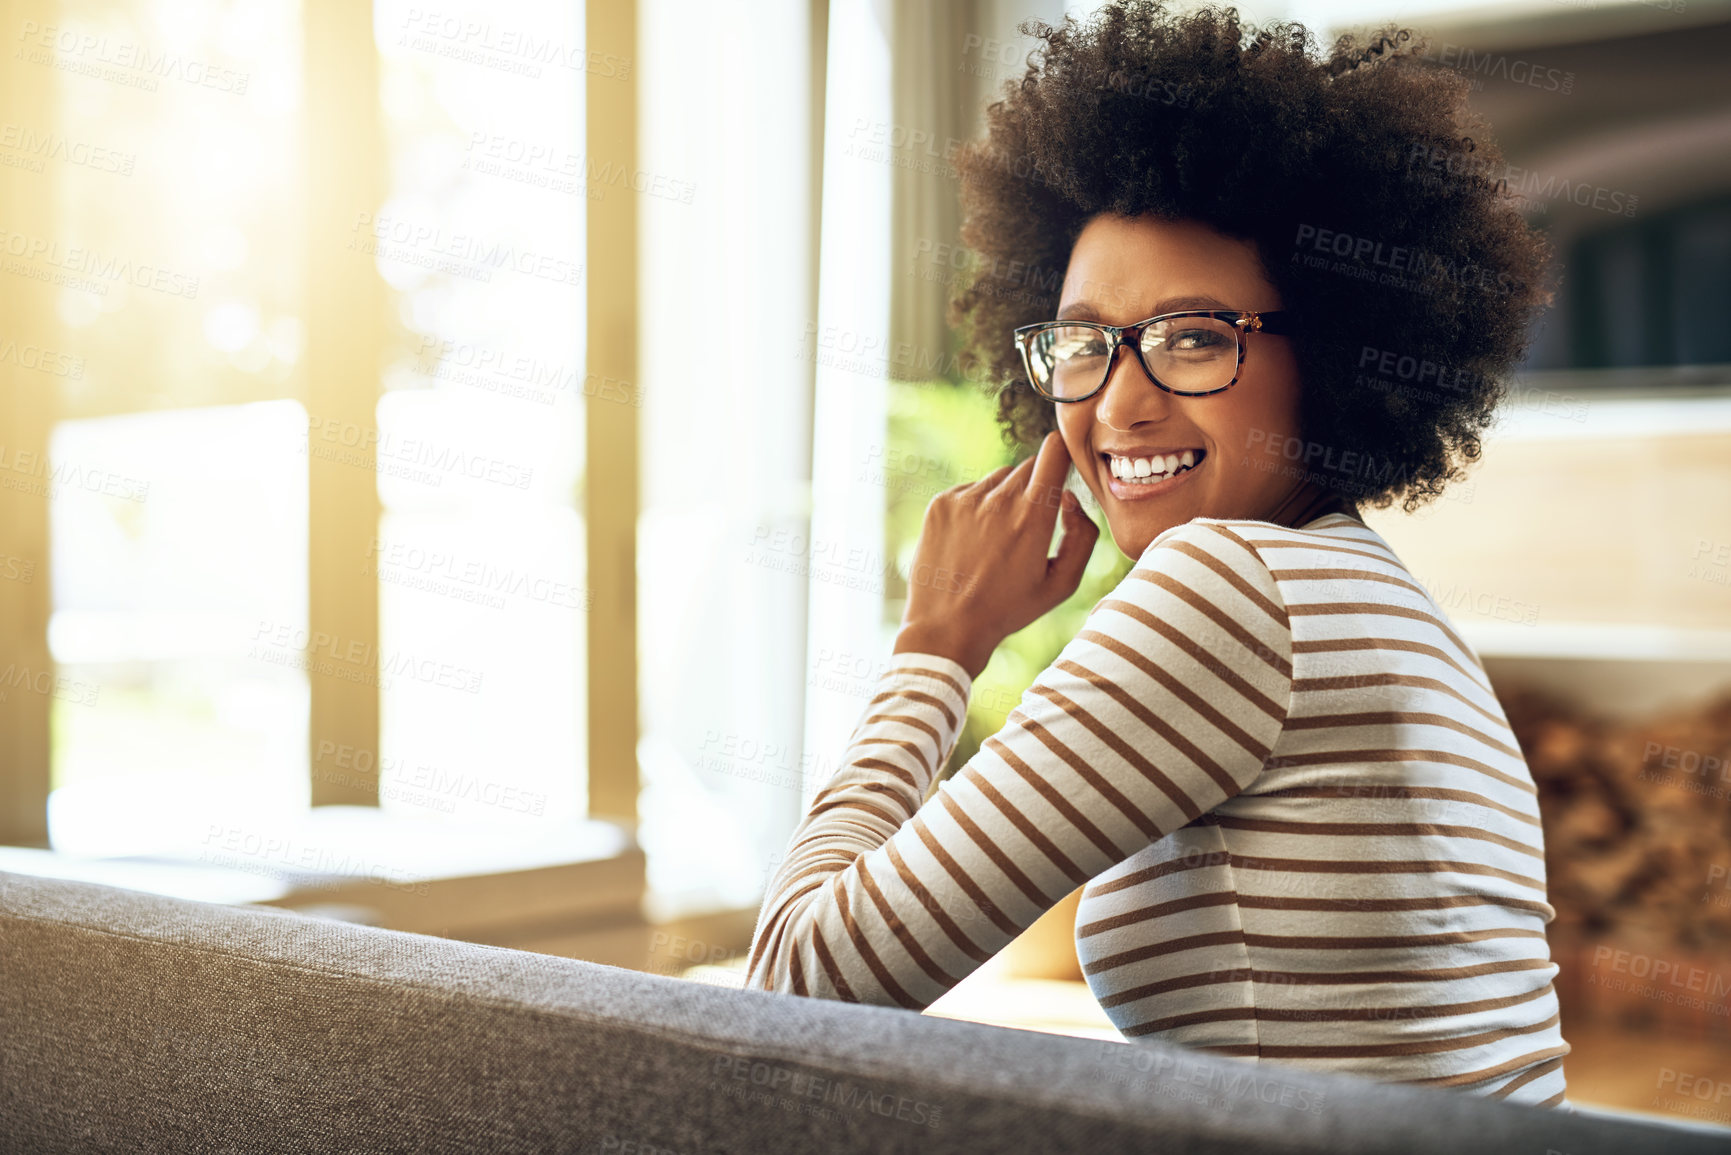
1361 177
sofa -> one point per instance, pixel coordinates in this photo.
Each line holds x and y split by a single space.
141 1023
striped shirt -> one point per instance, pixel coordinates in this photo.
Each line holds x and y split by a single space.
1306 831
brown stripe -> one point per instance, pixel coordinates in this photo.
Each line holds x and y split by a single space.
1124 750
1492 1072
1384 609
1424 594
1261 543
1189 646
968 886
1323 575
901 744
1205 607
1532 1073
1375 1014
1383 866
1299 978
1257 750
1158 949
828 963
1378 792
1385 905
1344 645
910 721
766 934
868 955
830 795
1167 986
858 804
1553 1101
1399 718
1374 830
992 851
1022 823
933 907
942 677
1173 1022
1411 1047
796 972
1330 757
889 768
900 929
1232 577
1150 873
1358 682
1158 911
906 695
1377 942
1432 975
1056 800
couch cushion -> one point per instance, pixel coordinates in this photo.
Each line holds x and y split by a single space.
135 1022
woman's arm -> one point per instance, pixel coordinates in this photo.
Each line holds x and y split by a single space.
1164 705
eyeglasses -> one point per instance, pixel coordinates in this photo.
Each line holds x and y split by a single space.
1192 354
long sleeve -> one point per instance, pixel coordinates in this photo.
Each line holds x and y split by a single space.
1164 705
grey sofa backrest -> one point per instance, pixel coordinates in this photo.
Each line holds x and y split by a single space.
132 1022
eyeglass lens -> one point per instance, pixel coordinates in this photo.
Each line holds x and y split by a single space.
1186 354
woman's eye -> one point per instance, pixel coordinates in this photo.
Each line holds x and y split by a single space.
1195 341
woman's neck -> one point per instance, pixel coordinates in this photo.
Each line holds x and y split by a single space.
1307 502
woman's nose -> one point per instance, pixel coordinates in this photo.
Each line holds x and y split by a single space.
1130 395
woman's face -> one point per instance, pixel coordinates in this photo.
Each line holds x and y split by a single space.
1126 269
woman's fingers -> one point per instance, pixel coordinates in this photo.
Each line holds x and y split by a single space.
1045 484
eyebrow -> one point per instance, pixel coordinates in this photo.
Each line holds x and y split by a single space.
1089 311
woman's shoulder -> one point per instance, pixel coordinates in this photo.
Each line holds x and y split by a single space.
1334 540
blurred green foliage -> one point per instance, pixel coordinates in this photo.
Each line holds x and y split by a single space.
943 435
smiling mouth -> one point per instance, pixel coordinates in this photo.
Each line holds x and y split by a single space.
1152 470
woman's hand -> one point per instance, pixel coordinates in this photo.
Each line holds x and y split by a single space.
980 571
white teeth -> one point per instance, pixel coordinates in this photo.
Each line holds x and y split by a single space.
1148 470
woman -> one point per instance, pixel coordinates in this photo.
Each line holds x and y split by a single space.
1306 832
